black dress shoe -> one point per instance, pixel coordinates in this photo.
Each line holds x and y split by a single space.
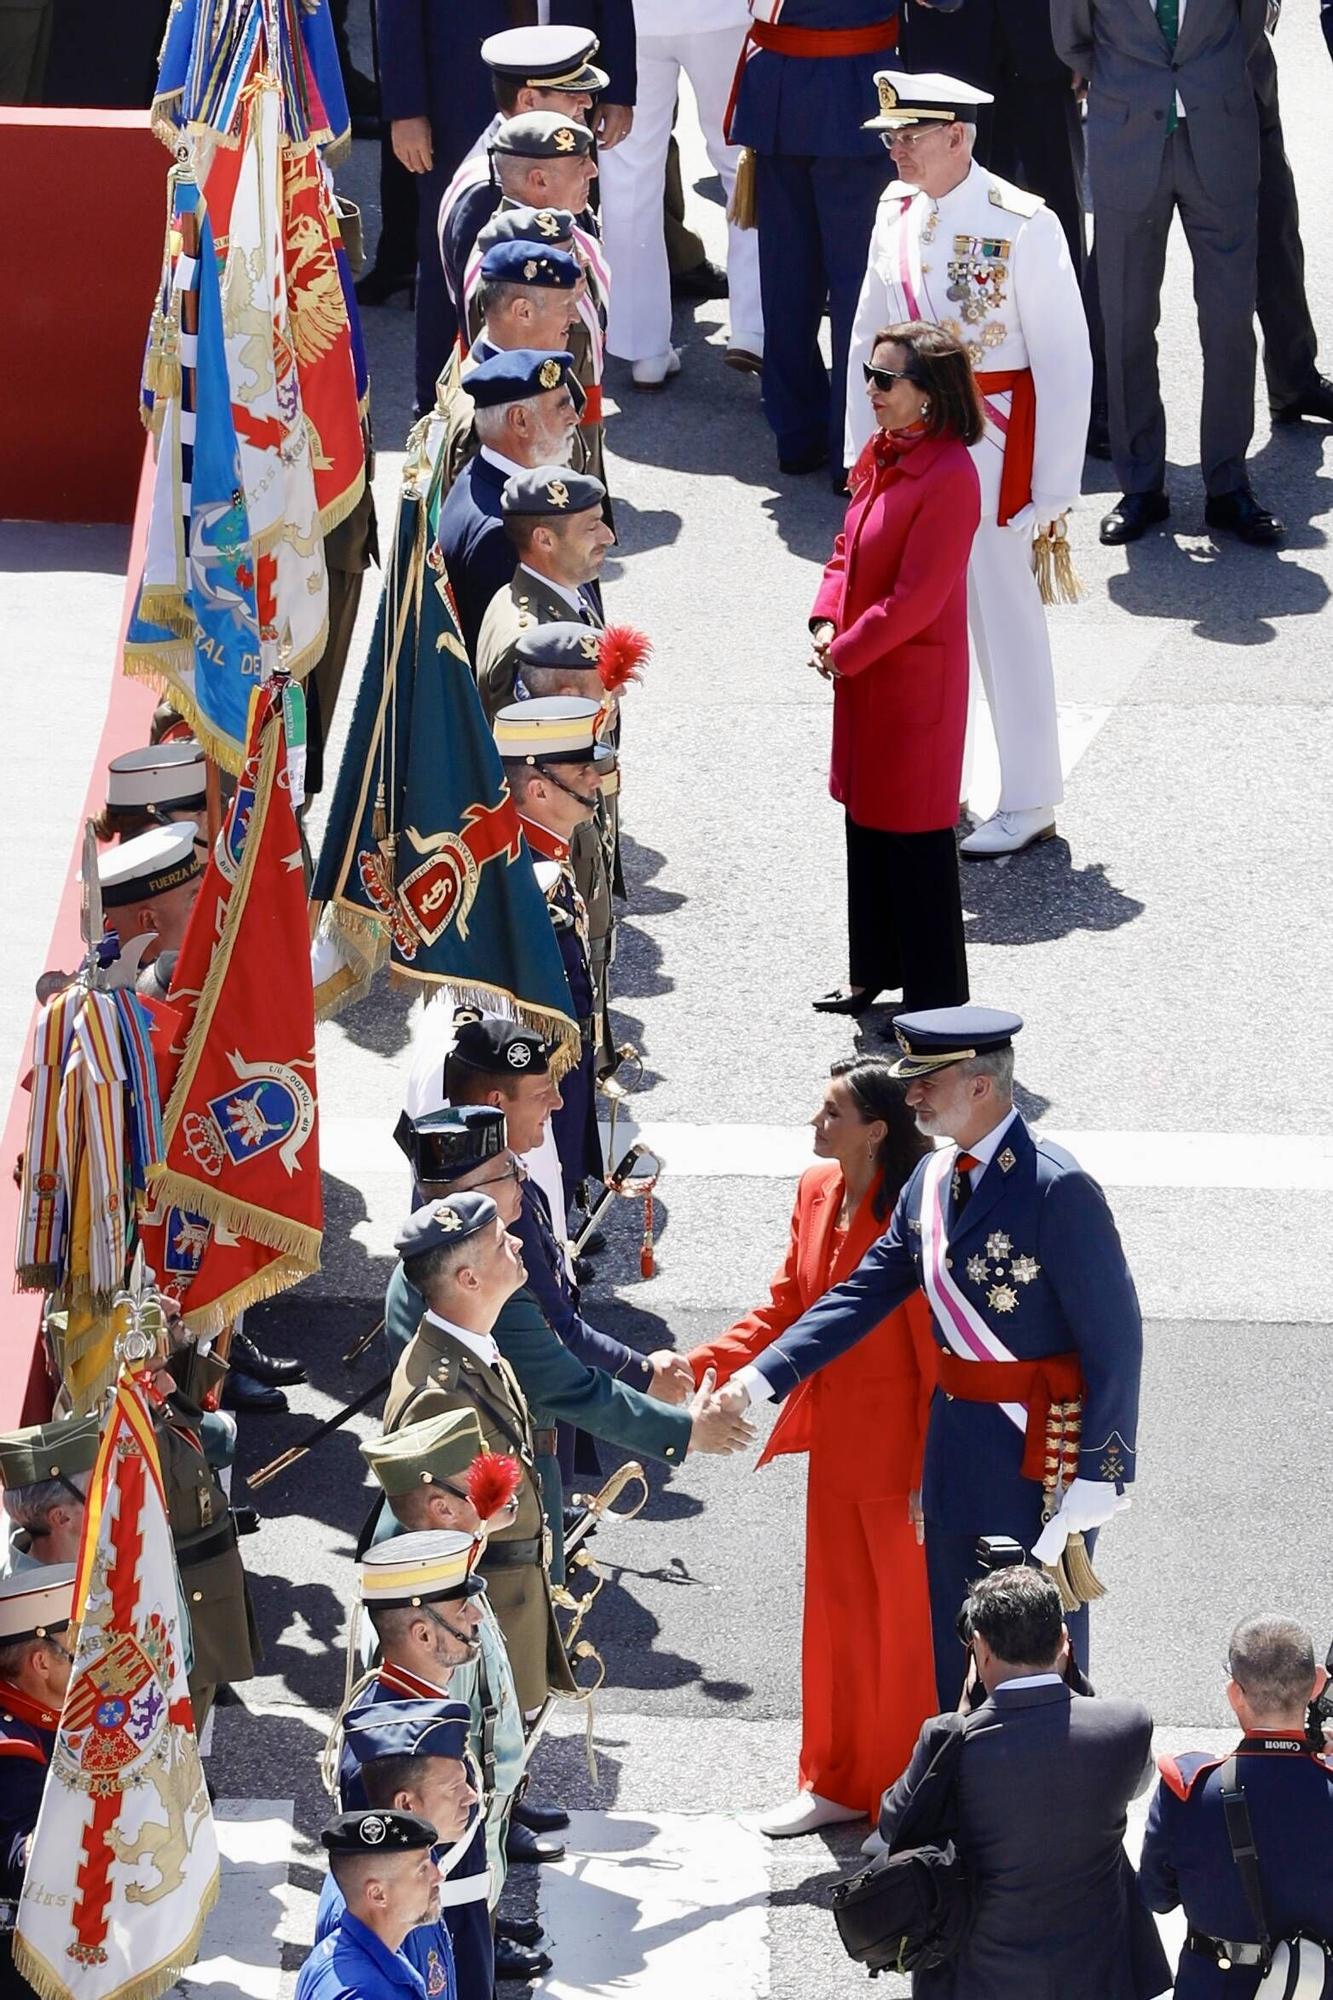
1316 401
1133 515
512 1961
524 1845
377 287
519 1930
805 461
843 1001
245 1520
701 281
538 1818
1240 514
265 1367
243 1392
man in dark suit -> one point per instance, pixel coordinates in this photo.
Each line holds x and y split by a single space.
525 415
1296 389
1289 1797
1173 126
1037 1811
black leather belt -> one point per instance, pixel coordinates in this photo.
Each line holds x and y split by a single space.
205 1547
1222 1952
544 1443
512 1555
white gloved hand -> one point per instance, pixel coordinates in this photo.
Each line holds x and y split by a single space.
1087 1503
1039 516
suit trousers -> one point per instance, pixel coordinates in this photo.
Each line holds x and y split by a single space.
905 915
815 220
951 1570
1006 620
437 320
633 176
1131 258
1290 342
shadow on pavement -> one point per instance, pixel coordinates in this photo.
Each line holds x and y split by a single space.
1040 896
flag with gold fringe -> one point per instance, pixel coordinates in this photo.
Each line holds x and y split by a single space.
424 865
123 1868
236 1210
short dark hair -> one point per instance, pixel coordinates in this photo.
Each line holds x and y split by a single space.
506 90
1272 1663
382 1779
429 1266
938 365
465 1084
878 1094
1018 1613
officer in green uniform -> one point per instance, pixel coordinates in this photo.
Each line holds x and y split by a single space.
44 1470
423 1470
553 517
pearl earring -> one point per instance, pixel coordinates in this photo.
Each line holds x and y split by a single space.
925 409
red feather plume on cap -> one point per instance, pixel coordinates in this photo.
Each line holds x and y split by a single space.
622 653
492 1481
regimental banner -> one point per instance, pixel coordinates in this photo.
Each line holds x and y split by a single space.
424 863
237 1209
123 1868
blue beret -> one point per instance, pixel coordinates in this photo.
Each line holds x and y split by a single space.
550 489
442 1222
938 1036
377 1833
407 1729
519 262
518 372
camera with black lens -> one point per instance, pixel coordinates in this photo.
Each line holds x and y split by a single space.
993 1552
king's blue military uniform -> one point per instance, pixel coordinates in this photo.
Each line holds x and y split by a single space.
818 180
352 1964
1187 1857
1036 1253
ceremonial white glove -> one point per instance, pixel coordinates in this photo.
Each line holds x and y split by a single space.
1088 1503
1039 515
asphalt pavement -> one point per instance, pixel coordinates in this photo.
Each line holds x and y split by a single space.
1170 952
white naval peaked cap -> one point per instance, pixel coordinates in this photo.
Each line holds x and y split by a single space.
34 1602
165 774
554 57
150 864
928 98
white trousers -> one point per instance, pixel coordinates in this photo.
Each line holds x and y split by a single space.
1007 623
632 177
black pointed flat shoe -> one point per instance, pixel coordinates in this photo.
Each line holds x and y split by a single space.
844 1000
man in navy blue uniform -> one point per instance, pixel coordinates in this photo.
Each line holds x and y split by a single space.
526 410
805 75
384 1867
412 1757
1288 1790
541 160
436 93
1033 1307
34 1673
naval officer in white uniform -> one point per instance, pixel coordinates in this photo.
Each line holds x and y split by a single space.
958 246
703 38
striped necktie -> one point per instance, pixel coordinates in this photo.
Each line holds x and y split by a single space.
1168 20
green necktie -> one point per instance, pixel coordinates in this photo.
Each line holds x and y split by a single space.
1168 20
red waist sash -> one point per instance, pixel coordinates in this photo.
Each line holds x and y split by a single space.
1020 434
1055 1378
592 404
808 42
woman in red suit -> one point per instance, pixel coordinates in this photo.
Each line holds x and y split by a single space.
890 631
867 1679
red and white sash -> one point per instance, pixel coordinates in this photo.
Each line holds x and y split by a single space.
956 1317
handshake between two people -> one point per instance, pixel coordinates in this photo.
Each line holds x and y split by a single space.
717 1422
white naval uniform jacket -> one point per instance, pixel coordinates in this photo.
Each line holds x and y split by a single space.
1025 313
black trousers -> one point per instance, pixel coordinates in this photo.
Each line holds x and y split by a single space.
905 915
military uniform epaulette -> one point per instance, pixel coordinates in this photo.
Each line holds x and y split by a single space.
1014 200
1180 1774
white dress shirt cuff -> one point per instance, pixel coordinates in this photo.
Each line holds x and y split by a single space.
755 1384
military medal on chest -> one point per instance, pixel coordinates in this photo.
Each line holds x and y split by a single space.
1001 1273
978 273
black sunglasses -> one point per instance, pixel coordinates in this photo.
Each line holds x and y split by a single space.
884 378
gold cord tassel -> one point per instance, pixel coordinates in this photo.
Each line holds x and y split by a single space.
744 206
1069 1598
1053 565
1083 1581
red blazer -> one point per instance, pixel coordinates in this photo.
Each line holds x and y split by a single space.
896 589
867 1410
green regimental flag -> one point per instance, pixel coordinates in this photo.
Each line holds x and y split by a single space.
424 864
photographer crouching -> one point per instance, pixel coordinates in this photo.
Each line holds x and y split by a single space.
1032 1787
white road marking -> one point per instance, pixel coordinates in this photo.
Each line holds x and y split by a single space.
667 1903
241 1957
353 1149
1078 723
